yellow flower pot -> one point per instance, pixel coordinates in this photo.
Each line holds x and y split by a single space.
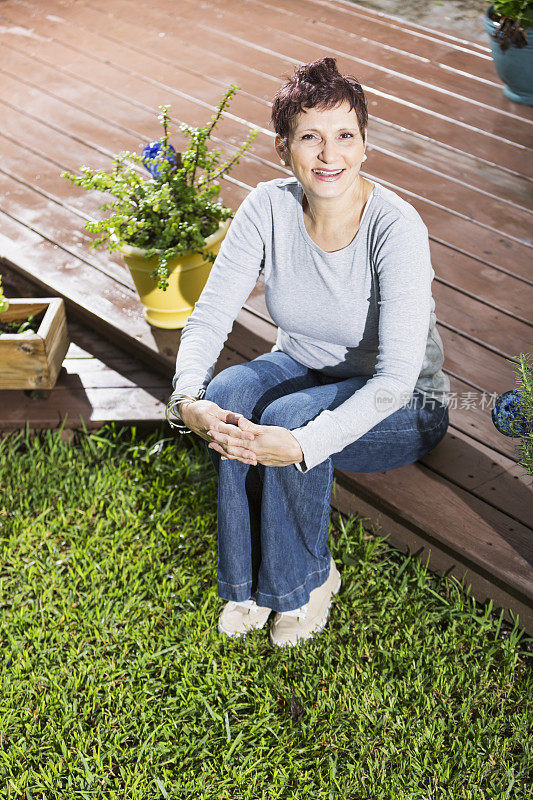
188 275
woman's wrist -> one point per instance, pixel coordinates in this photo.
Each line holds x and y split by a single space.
183 403
174 407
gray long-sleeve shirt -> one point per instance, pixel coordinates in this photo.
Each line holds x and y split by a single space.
364 310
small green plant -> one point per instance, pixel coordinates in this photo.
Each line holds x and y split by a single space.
524 381
27 326
4 304
514 17
175 211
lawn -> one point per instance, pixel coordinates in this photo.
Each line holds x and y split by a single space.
115 683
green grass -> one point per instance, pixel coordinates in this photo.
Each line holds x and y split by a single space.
114 682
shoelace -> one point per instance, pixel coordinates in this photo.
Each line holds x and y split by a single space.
250 603
297 612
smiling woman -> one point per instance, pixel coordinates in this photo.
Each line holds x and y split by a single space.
354 380
324 144
325 150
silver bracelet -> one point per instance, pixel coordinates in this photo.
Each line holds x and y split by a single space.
172 409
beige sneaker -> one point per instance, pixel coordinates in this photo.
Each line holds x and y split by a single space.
291 627
237 619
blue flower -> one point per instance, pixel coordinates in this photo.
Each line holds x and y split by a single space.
507 416
152 157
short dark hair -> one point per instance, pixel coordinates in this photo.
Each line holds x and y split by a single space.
318 84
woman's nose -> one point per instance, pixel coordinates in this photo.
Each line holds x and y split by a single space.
328 151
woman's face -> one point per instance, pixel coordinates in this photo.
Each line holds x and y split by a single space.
325 151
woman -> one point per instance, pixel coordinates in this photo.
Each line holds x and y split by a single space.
354 381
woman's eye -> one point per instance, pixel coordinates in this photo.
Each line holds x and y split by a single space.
346 133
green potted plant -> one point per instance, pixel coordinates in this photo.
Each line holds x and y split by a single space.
169 228
509 24
524 381
4 302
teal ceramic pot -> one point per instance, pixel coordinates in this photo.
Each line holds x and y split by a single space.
514 66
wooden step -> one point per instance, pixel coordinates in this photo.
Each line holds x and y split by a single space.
449 530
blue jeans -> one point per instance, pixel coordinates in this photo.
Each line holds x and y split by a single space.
273 522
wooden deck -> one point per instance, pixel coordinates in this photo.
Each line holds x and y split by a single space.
81 81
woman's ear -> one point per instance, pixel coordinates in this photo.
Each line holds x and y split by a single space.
278 144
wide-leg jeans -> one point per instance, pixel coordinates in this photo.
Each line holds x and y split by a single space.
273 522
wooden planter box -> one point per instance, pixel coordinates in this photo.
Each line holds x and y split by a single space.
33 360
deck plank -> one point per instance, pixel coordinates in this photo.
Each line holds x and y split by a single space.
495 137
473 57
143 35
399 495
487 475
260 24
291 24
462 234
441 557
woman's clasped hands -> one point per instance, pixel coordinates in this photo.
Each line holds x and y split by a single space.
235 437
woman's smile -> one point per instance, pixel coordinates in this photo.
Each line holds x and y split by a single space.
327 175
